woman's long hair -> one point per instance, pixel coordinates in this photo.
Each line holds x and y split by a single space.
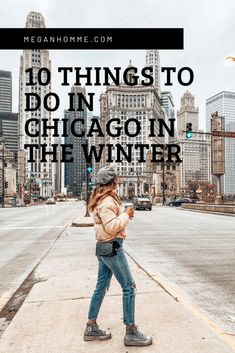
102 191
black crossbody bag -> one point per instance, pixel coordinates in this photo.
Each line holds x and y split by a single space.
108 248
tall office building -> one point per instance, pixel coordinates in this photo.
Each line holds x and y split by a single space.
195 152
224 104
153 60
8 138
8 120
188 113
35 59
5 91
169 108
131 102
196 160
168 104
58 167
93 141
67 140
75 172
9 123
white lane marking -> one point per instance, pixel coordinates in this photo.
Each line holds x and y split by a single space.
44 227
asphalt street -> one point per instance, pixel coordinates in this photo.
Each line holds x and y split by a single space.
26 234
194 252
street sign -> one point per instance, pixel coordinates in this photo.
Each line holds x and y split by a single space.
224 133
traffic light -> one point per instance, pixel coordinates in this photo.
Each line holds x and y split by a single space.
90 184
89 170
189 132
6 184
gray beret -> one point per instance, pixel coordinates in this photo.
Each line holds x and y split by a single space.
105 175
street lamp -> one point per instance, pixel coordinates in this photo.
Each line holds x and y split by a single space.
165 180
31 190
137 173
89 185
45 189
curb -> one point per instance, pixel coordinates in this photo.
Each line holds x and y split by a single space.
77 224
82 221
209 212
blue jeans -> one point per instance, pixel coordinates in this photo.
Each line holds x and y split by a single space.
118 266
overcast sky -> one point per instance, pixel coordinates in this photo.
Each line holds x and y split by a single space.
209 37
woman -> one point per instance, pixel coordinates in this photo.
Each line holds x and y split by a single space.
109 223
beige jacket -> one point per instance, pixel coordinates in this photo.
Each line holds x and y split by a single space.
109 220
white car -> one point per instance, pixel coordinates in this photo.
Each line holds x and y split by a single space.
143 203
50 201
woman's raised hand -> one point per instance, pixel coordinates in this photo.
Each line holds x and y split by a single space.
130 212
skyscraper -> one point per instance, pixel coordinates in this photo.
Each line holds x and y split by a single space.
168 106
196 160
224 104
8 120
153 60
93 140
8 138
5 91
58 167
35 59
125 103
75 172
195 152
188 113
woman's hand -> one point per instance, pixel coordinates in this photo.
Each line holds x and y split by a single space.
130 212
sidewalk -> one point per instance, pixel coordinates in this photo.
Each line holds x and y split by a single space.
54 314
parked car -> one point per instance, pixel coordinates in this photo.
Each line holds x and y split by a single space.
191 199
50 201
142 203
187 199
179 202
